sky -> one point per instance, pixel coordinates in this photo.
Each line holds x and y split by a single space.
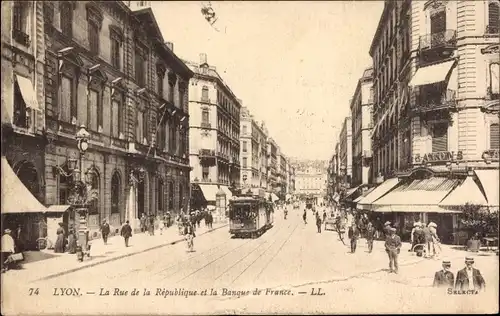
295 65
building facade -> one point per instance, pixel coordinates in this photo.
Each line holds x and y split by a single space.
345 152
109 68
253 152
310 181
215 132
436 108
361 107
273 166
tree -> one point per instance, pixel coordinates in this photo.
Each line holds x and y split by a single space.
479 219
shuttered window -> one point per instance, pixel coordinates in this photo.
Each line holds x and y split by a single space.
493 18
438 22
494 136
440 137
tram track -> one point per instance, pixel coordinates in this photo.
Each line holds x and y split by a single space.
231 251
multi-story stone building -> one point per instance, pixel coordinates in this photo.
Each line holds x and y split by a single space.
253 153
272 166
361 107
282 176
23 116
311 182
435 110
109 68
345 152
215 133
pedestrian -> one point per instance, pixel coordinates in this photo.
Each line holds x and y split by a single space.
387 229
8 248
105 231
469 278
318 222
189 234
126 232
143 223
324 216
414 235
168 219
304 216
161 224
444 278
210 220
60 240
393 248
370 235
435 239
151 226
353 235
71 241
428 241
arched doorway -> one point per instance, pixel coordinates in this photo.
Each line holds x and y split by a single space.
26 172
94 208
115 217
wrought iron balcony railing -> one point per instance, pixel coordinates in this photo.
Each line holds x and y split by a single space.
205 125
207 152
436 101
21 37
446 38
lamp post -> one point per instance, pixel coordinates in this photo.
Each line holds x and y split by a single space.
82 138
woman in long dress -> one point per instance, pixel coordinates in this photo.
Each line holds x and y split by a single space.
71 242
59 246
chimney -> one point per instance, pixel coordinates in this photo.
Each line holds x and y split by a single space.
203 58
170 46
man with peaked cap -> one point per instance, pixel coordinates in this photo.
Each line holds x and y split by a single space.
469 278
444 278
393 248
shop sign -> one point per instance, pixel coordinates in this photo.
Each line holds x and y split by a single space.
491 154
440 156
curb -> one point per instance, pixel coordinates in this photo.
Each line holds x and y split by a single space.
51 276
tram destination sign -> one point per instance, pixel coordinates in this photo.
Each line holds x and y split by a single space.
440 156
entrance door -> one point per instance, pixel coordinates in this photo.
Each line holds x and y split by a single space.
140 199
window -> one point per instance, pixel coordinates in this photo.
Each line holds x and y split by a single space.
145 125
205 173
140 67
438 22
20 22
139 129
160 76
20 118
116 117
245 146
93 33
244 162
160 196
182 94
244 131
115 193
115 52
204 94
493 18
205 116
171 196
67 100
48 12
161 137
66 18
93 118
440 137
172 138
181 197
171 87
494 82
494 136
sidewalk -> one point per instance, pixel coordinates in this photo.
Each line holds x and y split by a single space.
100 253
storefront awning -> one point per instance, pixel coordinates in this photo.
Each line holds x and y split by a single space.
226 190
490 181
420 196
351 192
16 198
58 208
432 74
359 198
386 186
28 92
467 192
209 191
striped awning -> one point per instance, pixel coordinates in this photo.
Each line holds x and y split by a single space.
366 202
467 192
420 196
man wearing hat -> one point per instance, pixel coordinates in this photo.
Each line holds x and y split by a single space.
8 248
393 247
469 278
428 240
387 229
444 278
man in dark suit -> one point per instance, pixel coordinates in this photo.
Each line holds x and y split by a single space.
444 278
393 248
126 232
353 234
469 278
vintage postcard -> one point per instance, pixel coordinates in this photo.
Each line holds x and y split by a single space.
244 157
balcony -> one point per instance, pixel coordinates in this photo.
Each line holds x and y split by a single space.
206 153
434 98
437 46
21 37
205 125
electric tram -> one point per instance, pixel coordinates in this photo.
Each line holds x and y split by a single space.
250 216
